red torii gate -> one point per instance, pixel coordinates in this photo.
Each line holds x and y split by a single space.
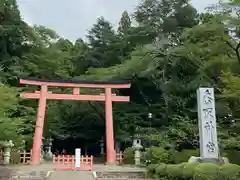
44 94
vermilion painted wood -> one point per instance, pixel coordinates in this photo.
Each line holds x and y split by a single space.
76 91
111 154
76 97
60 84
37 139
62 162
44 94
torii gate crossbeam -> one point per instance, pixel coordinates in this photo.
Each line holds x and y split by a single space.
43 95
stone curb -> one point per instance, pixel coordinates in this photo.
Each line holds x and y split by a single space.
95 177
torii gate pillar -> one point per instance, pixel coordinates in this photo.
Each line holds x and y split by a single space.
37 140
111 154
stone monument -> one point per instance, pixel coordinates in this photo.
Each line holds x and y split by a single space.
209 151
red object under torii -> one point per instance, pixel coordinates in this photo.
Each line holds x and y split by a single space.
44 94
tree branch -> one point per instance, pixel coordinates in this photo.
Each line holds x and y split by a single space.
235 49
237 52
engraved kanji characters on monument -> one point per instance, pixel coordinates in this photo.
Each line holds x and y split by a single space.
211 146
207 123
208 120
207 97
209 126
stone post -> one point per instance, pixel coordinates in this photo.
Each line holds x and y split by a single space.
7 145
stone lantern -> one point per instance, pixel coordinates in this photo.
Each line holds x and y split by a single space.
137 146
48 153
42 150
7 145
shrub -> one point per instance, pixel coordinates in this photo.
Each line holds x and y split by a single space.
195 171
206 171
174 171
189 169
179 169
171 171
151 169
161 170
229 172
157 155
15 157
184 155
128 156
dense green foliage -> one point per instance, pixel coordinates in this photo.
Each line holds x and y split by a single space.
158 155
169 52
128 156
194 171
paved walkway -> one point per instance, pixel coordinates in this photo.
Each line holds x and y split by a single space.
44 170
71 175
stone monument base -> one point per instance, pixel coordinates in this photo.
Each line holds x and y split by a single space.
221 160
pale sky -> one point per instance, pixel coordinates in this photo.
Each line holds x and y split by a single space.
72 18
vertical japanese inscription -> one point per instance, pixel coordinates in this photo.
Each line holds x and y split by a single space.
207 123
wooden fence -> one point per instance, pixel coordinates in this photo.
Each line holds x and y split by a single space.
119 157
67 162
25 157
18 157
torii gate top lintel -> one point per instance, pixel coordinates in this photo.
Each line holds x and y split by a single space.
72 83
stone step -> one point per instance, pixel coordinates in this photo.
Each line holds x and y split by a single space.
7 173
121 175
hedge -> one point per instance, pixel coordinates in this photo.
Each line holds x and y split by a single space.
194 171
15 157
156 155
184 155
128 156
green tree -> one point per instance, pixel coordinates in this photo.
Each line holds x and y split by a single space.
103 44
124 24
